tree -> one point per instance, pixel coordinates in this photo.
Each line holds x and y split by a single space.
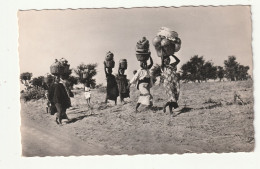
191 71
156 72
208 71
90 70
38 81
231 68
235 71
25 77
220 72
242 72
72 81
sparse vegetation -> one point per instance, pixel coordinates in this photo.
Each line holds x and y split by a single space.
33 93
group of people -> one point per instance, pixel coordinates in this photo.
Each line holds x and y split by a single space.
119 86
59 94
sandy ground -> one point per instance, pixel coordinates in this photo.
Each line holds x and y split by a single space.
207 121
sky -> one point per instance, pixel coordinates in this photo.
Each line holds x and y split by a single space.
86 35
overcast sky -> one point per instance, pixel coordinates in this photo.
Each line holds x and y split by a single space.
85 35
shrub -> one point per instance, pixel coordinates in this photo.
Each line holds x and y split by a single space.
33 94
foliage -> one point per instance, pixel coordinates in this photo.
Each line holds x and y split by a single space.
191 71
234 71
90 70
33 94
73 80
25 78
38 81
231 66
208 71
220 72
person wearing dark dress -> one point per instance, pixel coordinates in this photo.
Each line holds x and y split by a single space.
112 88
59 97
122 85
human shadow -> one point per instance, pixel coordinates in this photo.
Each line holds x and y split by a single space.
78 112
184 110
156 108
73 120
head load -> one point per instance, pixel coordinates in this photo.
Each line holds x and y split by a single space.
123 64
60 67
109 60
166 42
142 49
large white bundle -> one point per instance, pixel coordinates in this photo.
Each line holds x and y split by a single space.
167 32
166 42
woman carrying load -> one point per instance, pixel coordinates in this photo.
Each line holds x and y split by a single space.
58 95
144 82
122 85
112 89
166 43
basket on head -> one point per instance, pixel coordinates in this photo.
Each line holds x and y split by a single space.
142 45
109 56
60 67
142 50
142 56
167 32
166 42
123 64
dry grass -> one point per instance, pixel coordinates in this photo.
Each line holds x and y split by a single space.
208 121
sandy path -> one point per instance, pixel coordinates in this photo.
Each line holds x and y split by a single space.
40 141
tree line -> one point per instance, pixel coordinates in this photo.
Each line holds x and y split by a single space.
197 69
40 81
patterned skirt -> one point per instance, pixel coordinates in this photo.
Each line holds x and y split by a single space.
171 84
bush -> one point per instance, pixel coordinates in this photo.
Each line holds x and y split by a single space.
33 94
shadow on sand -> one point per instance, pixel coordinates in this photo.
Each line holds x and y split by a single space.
73 120
183 110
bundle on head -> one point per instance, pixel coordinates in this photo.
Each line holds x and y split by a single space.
142 49
166 42
60 67
109 60
109 56
123 64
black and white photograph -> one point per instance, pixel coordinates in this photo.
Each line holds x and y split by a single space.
136 81
129 84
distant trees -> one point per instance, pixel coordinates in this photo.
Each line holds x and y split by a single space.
38 81
25 78
86 74
197 69
72 80
220 72
234 71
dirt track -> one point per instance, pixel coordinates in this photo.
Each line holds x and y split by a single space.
208 121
